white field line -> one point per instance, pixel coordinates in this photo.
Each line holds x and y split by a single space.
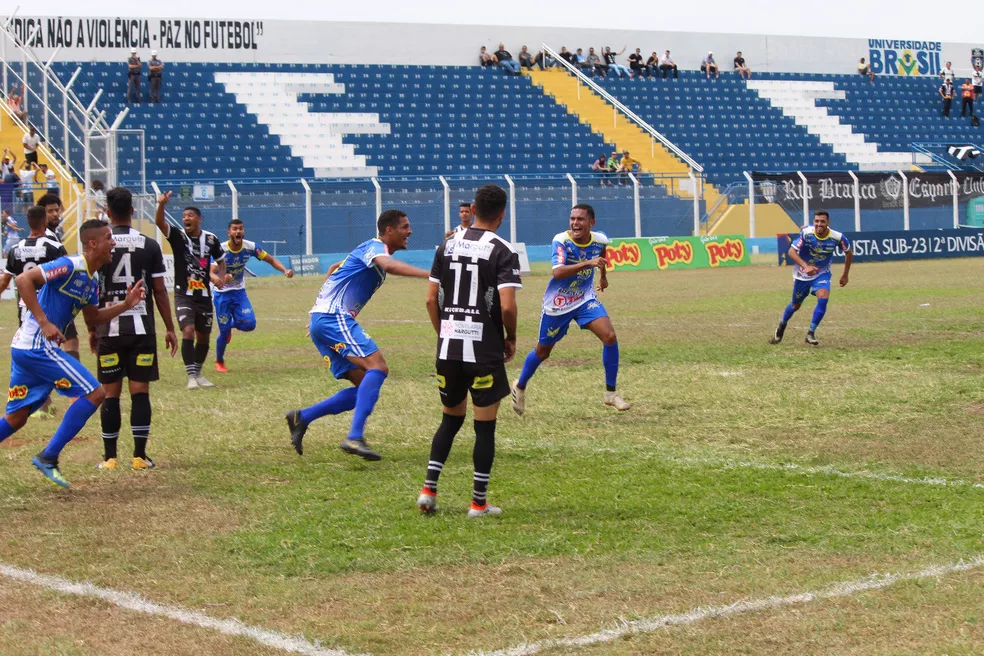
134 602
837 590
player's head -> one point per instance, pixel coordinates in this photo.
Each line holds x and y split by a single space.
97 242
53 206
465 213
191 217
489 207
394 229
821 221
237 230
582 220
119 205
37 219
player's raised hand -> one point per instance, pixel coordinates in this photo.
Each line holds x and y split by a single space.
509 349
135 294
843 280
171 342
289 273
163 199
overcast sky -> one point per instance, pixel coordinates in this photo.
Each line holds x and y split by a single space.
895 19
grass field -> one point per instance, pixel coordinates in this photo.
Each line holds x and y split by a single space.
743 471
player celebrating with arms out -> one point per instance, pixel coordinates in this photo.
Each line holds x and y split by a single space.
350 352
812 253
570 296
232 306
68 285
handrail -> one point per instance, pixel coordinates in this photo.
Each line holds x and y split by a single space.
924 147
625 110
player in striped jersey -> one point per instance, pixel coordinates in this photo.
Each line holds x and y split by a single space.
127 346
465 218
471 301
345 347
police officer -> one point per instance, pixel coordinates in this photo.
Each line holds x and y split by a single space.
155 69
133 75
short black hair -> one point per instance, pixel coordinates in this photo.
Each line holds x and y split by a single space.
389 219
235 222
88 226
36 217
192 208
822 213
50 199
468 205
587 208
490 200
119 202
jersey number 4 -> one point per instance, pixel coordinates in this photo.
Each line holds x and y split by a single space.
123 275
472 270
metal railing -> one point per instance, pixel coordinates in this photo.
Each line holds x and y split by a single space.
932 150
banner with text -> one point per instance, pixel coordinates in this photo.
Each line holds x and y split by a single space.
663 253
901 245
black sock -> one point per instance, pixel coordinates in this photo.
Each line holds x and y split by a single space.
109 415
482 457
440 448
140 413
201 352
188 356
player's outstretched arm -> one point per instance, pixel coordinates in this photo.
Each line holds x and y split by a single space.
28 284
278 265
510 316
397 268
164 308
5 279
96 317
160 216
848 258
433 307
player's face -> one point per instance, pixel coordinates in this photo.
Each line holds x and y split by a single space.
102 246
398 237
236 233
581 224
52 215
464 215
821 224
192 222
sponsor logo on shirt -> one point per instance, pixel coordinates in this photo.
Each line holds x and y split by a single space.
57 271
17 392
730 250
196 285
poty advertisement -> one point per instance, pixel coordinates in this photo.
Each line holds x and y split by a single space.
661 253
901 245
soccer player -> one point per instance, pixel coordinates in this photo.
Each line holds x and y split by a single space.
232 306
350 352
465 217
471 300
53 209
68 285
126 347
570 296
192 247
812 253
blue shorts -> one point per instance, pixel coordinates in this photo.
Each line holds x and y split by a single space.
339 336
803 288
233 310
34 373
553 327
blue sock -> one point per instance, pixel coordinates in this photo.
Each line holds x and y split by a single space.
609 357
818 313
220 344
342 401
5 429
365 401
788 314
75 417
529 368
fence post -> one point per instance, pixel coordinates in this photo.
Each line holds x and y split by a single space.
235 199
751 204
806 199
905 201
636 206
573 189
379 196
857 201
158 235
447 204
696 191
956 200
71 81
308 219
512 209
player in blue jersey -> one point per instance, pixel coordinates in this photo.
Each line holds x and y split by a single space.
345 347
570 296
68 285
232 306
812 252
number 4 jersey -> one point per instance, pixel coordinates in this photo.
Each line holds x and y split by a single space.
471 267
135 257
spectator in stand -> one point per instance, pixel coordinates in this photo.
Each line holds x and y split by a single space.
9 230
652 64
864 69
947 73
31 141
600 166
155 75
8 163
526 59
485 59
15 101
582 61
613 65
11 177
98 195
628 163
967 95
636 64
594 62
666 63
743 70
543 60
26 174
707 65
946 93
977 78
506 61
50 179
133 67
568 56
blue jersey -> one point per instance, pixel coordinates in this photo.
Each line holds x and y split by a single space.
352 285
568 294
818 252
68 288
236 262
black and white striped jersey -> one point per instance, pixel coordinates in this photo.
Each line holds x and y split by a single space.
471 267
192 257
135 257
27 254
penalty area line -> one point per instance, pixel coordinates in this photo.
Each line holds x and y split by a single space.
139 604
834 591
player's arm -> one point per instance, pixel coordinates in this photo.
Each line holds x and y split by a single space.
510 316
603 271
95 316
163 304
5 279
798 259
397 268
568 270
433 307
277 264
28 284
848 258
218 255
160 216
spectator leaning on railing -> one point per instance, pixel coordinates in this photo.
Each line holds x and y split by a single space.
864 69
506 61
742 69
667 64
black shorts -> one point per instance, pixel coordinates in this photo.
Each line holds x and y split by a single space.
977 89
488 384
127 356
71 332
193 311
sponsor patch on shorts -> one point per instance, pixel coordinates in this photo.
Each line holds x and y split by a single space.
145 359
482 382
109 360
